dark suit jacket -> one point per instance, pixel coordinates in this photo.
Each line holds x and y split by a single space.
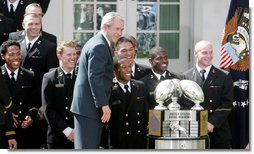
141 71
129 120
40 58
18 14
218 92
20 36
94 80
151 83
56 99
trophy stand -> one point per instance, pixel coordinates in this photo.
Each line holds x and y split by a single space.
174 105
160 107
197 106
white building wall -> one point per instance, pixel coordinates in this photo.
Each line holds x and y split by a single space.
209 20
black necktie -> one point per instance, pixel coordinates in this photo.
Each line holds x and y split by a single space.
203 74
28 46
127 92
68 76
162 78
13 81
11 10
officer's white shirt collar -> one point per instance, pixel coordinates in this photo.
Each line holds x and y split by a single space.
207 70
65 72
122 85
159 75
15 5
9 72
32 42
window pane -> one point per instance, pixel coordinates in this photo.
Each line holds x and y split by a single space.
146 17
102 9
83 0
146 41
169 17
83 16
147 0
169 0
170 42
106 0
82 38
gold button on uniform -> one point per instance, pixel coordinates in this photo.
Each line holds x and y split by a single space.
126 115
127 133
138 113
138 122
20 112
20 103
66 108
211 111
127 123
210 100
66 118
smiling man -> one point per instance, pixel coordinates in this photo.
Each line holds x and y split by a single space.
128 98
57 92
20 86
127 45
158 59
217 86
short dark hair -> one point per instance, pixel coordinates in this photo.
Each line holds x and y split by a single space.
117 58
4 47
155 50
125 38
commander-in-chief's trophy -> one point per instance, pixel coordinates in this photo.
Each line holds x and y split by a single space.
172 128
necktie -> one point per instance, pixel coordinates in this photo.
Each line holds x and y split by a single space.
68 76
111 50
28 46
127 92
11 10
13 81
162 78
203 74
12 77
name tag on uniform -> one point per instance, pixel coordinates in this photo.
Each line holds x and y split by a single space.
59 85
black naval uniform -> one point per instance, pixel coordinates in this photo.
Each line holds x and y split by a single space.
57 93
129 119
7 128
218 92
23 104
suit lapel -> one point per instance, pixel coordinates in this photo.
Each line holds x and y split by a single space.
196 76
23 51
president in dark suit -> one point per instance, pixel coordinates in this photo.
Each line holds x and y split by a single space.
129 106
92 89
217 86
